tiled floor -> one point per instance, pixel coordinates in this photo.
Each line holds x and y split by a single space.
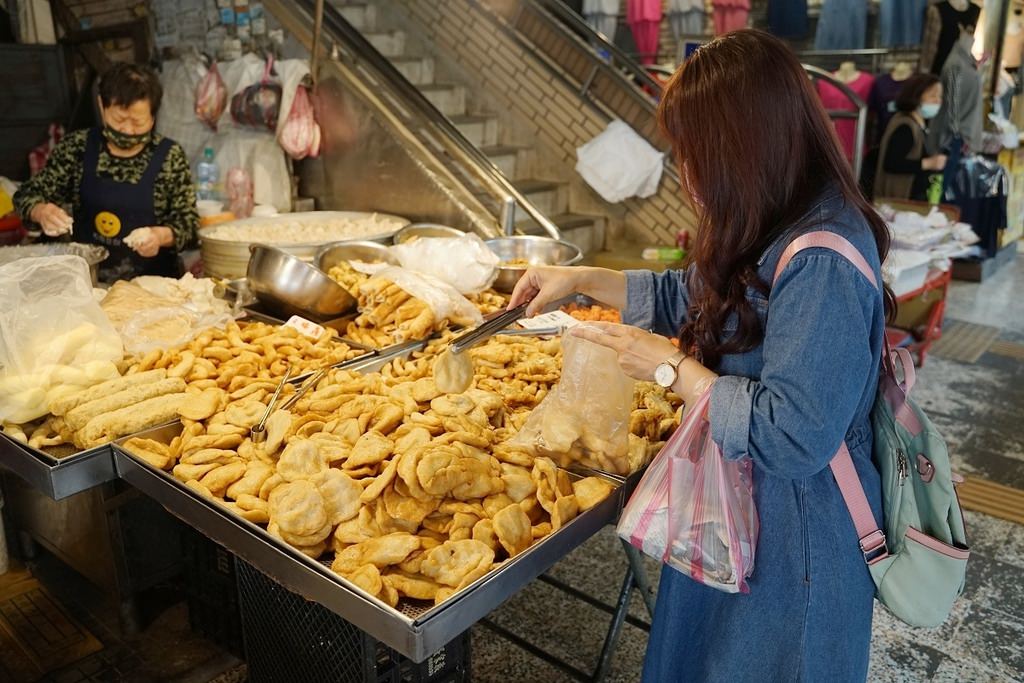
977 406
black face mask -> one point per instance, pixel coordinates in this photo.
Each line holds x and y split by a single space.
124 140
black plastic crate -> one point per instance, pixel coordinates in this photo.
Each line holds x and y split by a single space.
288 638
211 588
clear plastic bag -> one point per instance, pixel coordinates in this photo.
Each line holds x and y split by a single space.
585 418
211 96
300 134
694 510
52 333
444 300
463 262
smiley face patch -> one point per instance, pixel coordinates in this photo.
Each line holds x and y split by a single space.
107 224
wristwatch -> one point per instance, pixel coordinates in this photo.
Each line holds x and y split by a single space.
666 373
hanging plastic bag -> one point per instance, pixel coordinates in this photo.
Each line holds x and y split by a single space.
300 134
463 262
211 96
53 333
585 418
238 187
694 510
259 104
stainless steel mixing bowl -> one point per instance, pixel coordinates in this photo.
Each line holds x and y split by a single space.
290 286
331 255
426 230
536 251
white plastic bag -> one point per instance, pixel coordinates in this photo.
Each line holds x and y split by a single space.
466 263
444 300
52 334
620 164
585 418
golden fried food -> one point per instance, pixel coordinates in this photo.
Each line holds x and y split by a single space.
129 420
370 449
590 491
204 405
383 551
457 563
513 529
412 585
340 493
301 459
78 417
453 372
63 405
298 508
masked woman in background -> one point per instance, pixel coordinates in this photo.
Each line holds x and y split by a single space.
130 189
903 166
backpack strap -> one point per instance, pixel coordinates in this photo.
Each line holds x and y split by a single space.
872 538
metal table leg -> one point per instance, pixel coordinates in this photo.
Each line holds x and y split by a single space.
643 583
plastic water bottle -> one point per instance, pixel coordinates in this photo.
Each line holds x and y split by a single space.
207 174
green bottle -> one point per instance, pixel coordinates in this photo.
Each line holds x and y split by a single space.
935 190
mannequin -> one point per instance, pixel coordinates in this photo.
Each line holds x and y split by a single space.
902 71
847 72
1013 45
834 99
958 125
942 29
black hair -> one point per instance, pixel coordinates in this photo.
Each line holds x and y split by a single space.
913 90
125 84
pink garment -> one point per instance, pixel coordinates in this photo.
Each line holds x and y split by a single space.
644 19
643 10
729 19
834 100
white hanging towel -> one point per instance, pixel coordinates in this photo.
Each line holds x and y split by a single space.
620 164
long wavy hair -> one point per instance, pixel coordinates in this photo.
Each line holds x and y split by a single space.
755 148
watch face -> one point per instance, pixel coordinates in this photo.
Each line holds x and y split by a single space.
665 375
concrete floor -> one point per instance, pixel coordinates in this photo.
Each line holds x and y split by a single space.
978 408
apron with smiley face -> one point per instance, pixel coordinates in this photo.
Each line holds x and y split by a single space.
109 210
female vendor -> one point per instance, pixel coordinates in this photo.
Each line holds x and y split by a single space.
130 189
792 367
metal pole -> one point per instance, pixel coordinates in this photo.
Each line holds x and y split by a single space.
318 22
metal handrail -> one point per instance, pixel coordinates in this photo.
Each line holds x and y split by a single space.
618 56
861 113
476 161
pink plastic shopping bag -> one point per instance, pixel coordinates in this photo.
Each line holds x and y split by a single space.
694 510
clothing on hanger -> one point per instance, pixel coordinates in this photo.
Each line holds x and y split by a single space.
842 25
835 100
881 102
901 21
602 16
730 15
686 18
950 20
644 19
788 18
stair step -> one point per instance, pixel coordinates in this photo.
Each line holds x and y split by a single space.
586 232
449 99
549 197
391 44
418 71
363 17
504 157
481 130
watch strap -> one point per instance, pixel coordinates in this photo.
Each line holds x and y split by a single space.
676 358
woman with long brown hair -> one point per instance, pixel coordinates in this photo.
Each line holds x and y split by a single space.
794 363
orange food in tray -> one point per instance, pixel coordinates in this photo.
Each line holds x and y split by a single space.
593 313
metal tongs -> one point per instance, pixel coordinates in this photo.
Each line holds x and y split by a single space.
487 330
258 432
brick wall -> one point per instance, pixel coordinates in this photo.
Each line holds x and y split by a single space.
553 113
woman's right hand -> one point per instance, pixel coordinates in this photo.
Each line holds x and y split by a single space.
53 219
934 163
542 285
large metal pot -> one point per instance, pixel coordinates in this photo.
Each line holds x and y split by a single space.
92 253
535 251
290 286
228 259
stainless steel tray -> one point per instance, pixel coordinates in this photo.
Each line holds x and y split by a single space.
414 629
54 476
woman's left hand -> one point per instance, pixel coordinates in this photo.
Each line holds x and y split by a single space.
639 352
147 241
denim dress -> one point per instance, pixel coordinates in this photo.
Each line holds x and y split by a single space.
787 404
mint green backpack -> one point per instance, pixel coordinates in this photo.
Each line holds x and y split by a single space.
919 560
